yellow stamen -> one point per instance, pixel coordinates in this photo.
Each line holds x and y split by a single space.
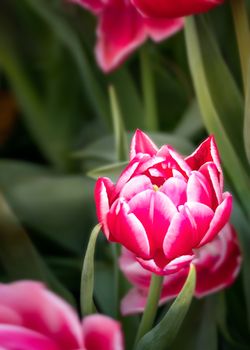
155 188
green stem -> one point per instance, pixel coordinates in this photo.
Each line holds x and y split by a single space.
151 306
241 25
148 87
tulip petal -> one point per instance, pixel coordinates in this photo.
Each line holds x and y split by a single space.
114 46
15 337
45 313
9 316
134 186
199 189
218 263
173 160
133 271
187 229
135 300
155 211
159 29
171 266
206 152
172 9
221 217
128 172
175 189
126 229
210 171
103 190
102 333
141 143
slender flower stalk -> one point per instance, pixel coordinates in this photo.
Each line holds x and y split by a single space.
151 306
241 24
148 87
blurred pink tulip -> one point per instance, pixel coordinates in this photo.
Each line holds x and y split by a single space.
164 206
171 9
217 265
31 317
121 29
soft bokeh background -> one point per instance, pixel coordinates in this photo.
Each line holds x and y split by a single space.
56 126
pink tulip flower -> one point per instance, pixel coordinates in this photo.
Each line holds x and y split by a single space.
171 9
217 264
164 206
31 317
121 29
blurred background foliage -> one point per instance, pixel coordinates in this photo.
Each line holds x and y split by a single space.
56 126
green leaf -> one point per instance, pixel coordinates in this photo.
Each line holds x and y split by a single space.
112 171
148 88
215 104
121 145
130 102
198 330
60 208
164 333
104 290
191 122
69 38
247 118
87 280
241 222
18 255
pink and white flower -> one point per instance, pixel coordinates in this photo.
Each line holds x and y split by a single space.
164 206
32 317
121 29
217 264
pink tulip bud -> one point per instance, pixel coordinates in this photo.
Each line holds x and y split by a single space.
121 29
217 265
171 9
164 206
31 317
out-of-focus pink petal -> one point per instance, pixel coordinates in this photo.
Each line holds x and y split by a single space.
172 9
9 316
134 186
103 191
133 271
221 217
155 211
128 230
175 189
187 229
45 313
135 300
198 189
102 333
15 337
119 32
159 29
206 152
141 143
218 263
